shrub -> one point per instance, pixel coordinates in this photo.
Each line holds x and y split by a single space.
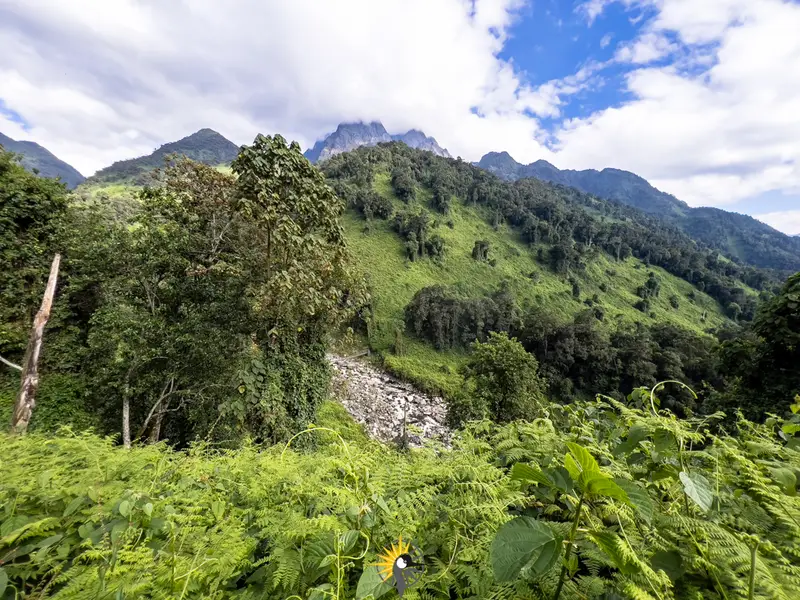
505 378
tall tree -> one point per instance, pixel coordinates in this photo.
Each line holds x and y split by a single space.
217 304
32 213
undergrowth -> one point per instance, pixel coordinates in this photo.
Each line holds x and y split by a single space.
701 514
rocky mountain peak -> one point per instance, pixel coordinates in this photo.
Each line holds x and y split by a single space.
349 136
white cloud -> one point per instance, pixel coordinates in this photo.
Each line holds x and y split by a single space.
592 9
720 123
100 81
646 49
606 40
787 221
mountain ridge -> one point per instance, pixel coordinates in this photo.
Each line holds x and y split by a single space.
351 135
742 237
35 156
205 145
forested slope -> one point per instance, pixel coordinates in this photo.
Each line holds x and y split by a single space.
739 236
604 295
196 321
205 146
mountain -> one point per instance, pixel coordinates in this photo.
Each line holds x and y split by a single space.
349 136
613 184
443 272
739 236
205 146
418 140
45 162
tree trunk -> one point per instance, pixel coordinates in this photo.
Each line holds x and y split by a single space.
155 431
126 420
26 399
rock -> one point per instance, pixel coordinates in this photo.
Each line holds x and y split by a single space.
383 404
349 136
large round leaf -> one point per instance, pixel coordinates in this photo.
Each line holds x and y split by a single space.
698 489
521 543
371 584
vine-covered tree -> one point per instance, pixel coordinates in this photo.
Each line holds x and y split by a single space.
32 211
505 378
216 305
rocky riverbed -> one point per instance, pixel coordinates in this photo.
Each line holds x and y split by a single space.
387 407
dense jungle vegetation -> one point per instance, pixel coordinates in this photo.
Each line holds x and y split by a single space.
605 297
202 309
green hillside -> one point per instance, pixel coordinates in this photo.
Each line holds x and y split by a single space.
739 236
205 146
194 320
41 161
699 291
394 280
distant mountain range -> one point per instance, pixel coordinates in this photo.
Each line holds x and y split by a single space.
740 236
205 146
43 161
349 136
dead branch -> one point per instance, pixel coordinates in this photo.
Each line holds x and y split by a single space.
26 399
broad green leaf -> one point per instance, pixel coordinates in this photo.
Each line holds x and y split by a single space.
639 499
605 487
561 478
382 505
790 428
46 543
3 581
148 509
579 461
349 539
635 435
371 585
663 440
527 473
698 489
327 561
125 508
319 592
670 562
786 479
117 530
547 558
520 542
218 509
74 505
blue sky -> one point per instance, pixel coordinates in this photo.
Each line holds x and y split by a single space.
552 40
699 97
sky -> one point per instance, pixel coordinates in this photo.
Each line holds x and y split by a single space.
700 97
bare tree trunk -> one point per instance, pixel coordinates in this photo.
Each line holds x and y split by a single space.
126 419
155 431
26 399
169 387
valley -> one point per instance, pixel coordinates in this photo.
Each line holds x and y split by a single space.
259 371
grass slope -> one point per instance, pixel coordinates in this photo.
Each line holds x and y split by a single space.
394 280
380 257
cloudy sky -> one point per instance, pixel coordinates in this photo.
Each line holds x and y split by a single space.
701 97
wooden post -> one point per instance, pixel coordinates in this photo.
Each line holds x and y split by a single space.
26 399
